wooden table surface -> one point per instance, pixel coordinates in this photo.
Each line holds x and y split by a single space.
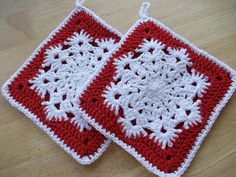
26 151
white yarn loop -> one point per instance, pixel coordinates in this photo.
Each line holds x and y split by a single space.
79 2
144 10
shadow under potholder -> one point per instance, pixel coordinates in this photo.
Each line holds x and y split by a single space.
45 87
157 96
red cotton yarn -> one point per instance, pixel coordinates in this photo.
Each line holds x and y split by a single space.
34 88
157 96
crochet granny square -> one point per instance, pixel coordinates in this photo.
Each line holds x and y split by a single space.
157 96
45 87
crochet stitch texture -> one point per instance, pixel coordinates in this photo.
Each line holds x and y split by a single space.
156 92
45 87
65 71
157 96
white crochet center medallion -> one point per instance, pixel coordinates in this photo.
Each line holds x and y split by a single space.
65 71
156 92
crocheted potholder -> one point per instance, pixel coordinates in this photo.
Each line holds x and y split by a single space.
157 96
45 87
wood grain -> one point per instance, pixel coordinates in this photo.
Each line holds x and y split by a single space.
25 151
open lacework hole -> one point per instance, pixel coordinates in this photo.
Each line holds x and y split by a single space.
188 112
20 86
147 30
64 47
151 50
86 141
117 96
45 81
56 56
148 131
99 58
163 130
63 62
29 84
179 125
57 106
127 67
168 157
136 55
94 44
195 98
70 115
78 21
94 100
64 97
105 50
121 112
47 68
219 78
133 122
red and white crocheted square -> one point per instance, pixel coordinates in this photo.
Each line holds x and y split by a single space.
45 87
157 96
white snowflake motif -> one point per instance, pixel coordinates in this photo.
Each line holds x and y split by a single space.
157 92
64 72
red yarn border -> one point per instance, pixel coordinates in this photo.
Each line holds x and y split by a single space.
170 159
84 143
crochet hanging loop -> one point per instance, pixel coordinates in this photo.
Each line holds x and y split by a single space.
144 10
79 2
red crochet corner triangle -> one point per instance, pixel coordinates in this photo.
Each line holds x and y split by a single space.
157 96
38 99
